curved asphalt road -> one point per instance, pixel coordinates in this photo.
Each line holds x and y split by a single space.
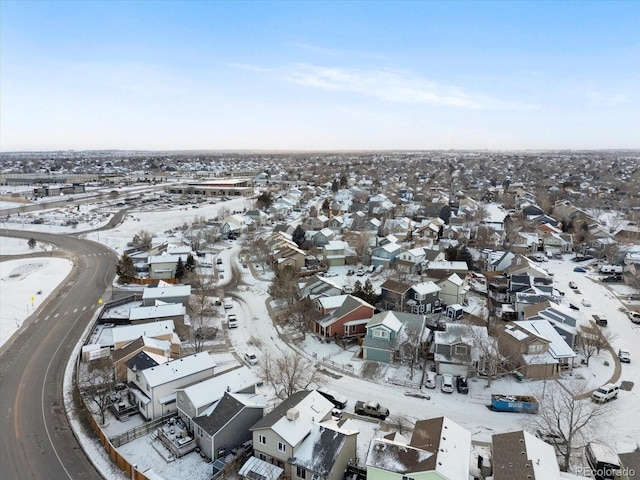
36 440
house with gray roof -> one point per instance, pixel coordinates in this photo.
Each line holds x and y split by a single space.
226 424
345 316
300 437
393 337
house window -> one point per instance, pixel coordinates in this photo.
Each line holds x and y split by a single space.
380 333
460 350
282 447
420 296
262 439
301 472
262 457
535 348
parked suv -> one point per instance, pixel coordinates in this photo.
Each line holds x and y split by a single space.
430 380
605 393
339 401
462 386
447 383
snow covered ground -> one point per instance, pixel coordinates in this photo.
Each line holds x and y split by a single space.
256 332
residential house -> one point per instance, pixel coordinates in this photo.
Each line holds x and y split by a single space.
322 237
464 349
235 224
524 242
154 389
160 311
422 297
288 255
394 295
559 349
528 347
409 261
316 286
334 253
439 448
498 261
454 289
393 337
194 400
164 266
151 346
559 316
521 456
226 424
385 254
335 223
557 242
343 316
123 335
165 292
300 437
258 217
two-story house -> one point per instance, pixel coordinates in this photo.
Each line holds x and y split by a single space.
528 348
393 294
165 292
461 349
300 437
409 261
343 316
454 289
196 399
334 253
393 337
153 389
422 298
385 254
439 449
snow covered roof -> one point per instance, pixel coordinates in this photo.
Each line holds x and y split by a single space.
151 329
307 408
320 450
179 368
388 319
157 311
446 265
254 468
516 454
212 390
558 348
331 303
166 291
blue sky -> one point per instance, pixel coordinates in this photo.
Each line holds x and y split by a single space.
319 75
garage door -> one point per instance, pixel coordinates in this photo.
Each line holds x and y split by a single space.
453 369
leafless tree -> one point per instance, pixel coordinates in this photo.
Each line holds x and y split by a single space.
567 415
589 341
486 348
400 423
97 384
202 315
299 315
288 373
141 238
285 285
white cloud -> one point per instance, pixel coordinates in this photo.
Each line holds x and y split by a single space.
388 85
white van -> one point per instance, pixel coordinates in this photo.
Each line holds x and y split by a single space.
228 303
605 393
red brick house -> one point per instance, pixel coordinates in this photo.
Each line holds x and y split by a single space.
342 316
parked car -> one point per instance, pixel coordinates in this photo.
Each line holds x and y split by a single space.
430 380
600 320
219 261
612 279
634 317
339 401
573 285
585 302
251 358
551 438
624 356
331 274
573 307
580 270
232 321
605 393
447 383
462 386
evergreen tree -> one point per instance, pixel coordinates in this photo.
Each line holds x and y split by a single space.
32 243
264 200
179 269
298 235
190 266
335 186
125 268
344 181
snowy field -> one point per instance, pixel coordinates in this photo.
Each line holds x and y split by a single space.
256 332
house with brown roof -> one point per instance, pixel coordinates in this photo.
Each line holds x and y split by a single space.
439 448
343 316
